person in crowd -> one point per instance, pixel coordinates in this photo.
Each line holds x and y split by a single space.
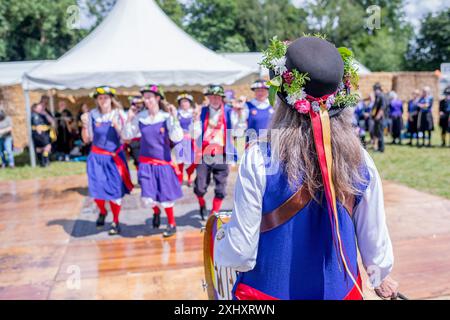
41 125
360 121
239 116
65 131
301 212
217 148
185 151
6 139
134 145
84 148
413 115
444 116
378 115
107 168
259 111
425 119
157 174
396 116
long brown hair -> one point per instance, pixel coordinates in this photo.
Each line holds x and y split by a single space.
296 151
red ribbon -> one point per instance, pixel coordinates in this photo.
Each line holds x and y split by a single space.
120 164
318 141
322 98
159 162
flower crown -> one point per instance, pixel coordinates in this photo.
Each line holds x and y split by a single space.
293 82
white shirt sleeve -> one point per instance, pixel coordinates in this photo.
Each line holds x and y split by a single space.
236 243
131 128
176 133
371 230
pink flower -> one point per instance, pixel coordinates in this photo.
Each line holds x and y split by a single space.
302 106
288 77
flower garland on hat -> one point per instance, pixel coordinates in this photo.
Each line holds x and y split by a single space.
103 90
293 82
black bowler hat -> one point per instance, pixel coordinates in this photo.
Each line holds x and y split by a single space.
214 90
320 59
447 91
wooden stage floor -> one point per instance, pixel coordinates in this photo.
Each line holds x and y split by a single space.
50 248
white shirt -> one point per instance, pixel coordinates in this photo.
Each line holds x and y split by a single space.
261 105
239 244
131 129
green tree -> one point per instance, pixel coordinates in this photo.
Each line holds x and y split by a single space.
431 47
32 29
212 22
174 9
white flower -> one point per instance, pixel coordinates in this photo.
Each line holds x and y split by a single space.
279 65
293 98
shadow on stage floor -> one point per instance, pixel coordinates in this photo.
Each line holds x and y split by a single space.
130 228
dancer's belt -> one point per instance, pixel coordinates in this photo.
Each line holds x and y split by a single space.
159 162
120 164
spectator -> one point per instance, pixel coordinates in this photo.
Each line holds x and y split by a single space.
41 124
425 120
84 148
396 115
413 115
444 115
378 112
6 140
64 142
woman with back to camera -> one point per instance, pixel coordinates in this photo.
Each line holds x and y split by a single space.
304 197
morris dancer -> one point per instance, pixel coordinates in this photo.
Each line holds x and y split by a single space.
259 111
157 173
107 168
217 149
298 212
185 150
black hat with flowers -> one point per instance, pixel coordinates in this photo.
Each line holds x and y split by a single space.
214 90
315 78
154 89
103 90
259 84
185 96
311 72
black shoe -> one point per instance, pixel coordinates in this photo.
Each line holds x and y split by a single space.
115 229
156 221
203 212
100 220
170 231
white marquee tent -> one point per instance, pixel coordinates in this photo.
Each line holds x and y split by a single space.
135 45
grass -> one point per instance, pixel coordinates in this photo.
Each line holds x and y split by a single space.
424 169
24 171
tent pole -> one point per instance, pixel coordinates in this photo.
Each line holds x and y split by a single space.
30 136
52 102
